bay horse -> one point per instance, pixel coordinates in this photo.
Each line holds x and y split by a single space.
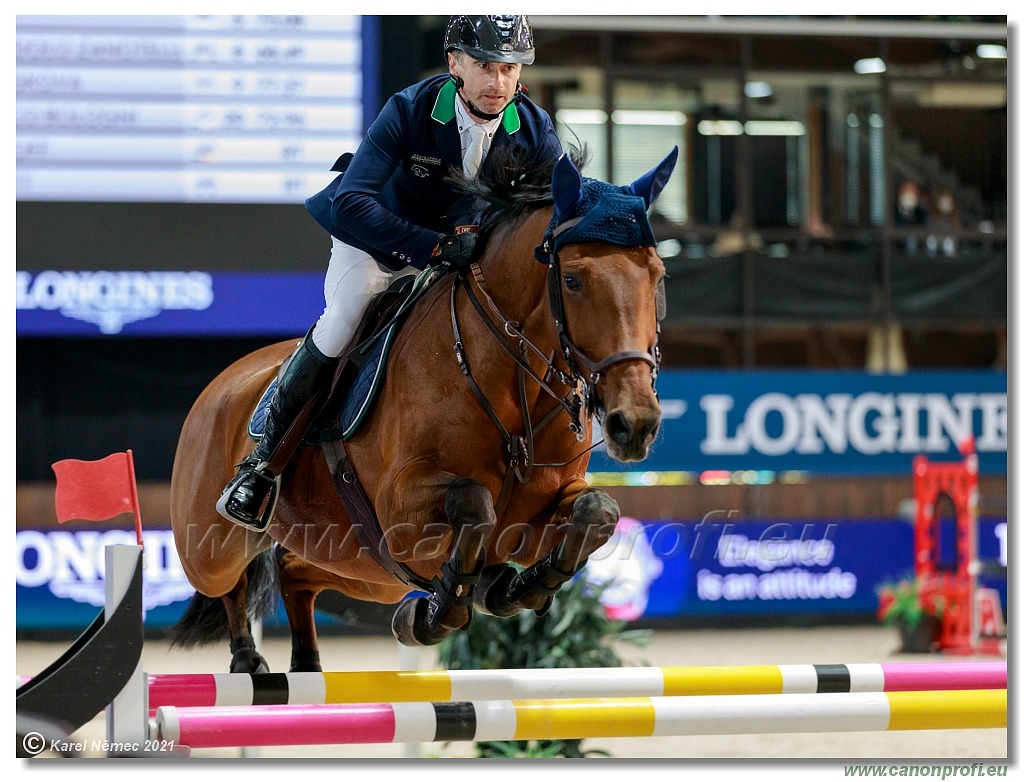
473 461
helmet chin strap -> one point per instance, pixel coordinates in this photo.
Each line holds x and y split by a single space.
459 84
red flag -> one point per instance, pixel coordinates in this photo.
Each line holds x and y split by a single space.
97 490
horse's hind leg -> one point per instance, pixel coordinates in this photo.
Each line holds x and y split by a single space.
243 588
427 621
244 657
504 592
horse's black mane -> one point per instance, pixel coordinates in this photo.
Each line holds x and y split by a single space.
514 181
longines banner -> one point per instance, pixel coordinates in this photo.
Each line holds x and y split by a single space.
165 304
824 422
658 570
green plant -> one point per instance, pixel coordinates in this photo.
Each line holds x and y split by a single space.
908 600
575 633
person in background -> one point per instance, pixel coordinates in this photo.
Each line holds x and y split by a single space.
911 211
944 221
392 211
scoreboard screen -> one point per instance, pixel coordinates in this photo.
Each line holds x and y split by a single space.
184 109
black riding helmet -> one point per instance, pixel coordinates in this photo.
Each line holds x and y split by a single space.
491 38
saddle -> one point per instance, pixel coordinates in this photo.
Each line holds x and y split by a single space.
357 379
341 408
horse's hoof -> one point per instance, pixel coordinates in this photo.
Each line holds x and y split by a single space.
305 661
490 596
248 661
409 624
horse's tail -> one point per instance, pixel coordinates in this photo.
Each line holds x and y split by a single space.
205 620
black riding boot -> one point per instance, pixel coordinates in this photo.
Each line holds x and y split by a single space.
303 375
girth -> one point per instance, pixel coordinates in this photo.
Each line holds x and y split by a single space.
363 517
357 503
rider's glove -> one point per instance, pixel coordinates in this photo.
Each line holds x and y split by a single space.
454 250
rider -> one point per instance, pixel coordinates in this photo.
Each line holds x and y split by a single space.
391 211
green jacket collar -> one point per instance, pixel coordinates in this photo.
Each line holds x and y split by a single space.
444 109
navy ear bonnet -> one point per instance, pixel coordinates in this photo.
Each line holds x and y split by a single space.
589 210
609 215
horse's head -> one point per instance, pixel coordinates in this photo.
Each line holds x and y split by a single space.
607 296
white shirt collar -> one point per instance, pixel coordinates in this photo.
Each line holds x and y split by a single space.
464 120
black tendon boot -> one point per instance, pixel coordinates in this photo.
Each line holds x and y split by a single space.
243 498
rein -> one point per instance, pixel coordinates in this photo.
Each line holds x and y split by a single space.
519 449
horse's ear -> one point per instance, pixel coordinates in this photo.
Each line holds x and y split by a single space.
566 186
650 185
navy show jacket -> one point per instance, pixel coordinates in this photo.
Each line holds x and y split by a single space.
392 200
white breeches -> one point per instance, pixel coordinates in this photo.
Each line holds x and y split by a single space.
353 279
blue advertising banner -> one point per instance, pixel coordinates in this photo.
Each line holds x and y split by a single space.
823 422
656 570
59 577
166 304
717 568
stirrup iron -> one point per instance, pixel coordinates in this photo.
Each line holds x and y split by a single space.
263 522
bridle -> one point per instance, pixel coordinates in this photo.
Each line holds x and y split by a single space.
578 403
570 352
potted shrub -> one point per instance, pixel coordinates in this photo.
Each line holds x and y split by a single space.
915 608
576 632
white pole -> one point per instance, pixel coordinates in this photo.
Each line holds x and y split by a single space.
256 629
128 714
409 660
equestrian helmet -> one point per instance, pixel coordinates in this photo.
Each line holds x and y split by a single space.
491 38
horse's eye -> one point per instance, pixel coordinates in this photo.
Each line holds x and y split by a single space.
572 282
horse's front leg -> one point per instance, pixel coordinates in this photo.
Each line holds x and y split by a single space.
469 515
298 593
503 591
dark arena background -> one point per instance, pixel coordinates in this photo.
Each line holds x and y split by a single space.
836 242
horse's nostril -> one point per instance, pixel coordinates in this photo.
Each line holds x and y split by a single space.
651 426
618 426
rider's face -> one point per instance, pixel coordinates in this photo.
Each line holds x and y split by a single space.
487 85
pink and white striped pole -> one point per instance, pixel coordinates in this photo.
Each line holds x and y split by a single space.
506 720
404 686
